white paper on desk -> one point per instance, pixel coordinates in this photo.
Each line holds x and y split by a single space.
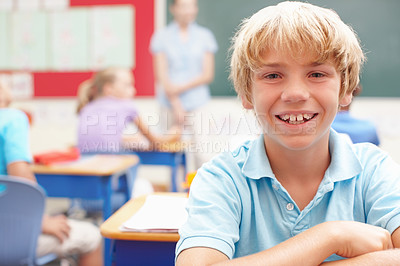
158 214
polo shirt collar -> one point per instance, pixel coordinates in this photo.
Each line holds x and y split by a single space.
175 25
344 162
257 164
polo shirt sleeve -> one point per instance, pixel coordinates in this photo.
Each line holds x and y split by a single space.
210 42
16 139
157 42
382 191
214 210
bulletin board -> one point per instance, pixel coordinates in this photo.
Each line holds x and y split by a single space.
48 82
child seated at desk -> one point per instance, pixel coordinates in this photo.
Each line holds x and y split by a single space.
59 235
300 194
105 108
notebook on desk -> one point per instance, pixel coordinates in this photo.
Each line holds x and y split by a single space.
158 214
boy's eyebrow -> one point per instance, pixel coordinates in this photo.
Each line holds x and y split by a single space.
273 64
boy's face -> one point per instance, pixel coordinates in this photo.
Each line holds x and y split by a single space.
295 101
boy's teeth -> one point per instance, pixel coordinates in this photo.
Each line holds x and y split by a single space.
296 119
299 117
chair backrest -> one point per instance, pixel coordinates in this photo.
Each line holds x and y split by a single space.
21 211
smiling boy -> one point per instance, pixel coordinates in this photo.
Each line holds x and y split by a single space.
300 194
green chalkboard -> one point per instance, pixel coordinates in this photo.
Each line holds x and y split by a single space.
377 23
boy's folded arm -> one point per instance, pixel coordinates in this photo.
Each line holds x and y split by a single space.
308 248
312 247
378 258
384 257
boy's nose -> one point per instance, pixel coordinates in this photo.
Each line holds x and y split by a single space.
294 92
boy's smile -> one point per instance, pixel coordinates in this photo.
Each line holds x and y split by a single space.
296 118
295 99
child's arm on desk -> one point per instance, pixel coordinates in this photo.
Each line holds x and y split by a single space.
174 134
385 257
312 247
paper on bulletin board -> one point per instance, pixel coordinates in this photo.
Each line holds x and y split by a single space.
4 35
55 4
20 84
6 5
110 30
27 4
28 40
69 40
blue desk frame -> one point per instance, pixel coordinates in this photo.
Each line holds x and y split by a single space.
88 187
84 187
149 253
172 159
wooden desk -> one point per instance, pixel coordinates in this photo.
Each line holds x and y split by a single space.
136 248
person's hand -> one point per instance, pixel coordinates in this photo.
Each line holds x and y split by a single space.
177 110
355 238
174 134
56 226
173 90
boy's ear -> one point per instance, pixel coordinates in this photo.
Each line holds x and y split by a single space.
246 102
346 99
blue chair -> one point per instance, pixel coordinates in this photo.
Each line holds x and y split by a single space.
21 211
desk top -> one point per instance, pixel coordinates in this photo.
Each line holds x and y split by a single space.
99 164
110 228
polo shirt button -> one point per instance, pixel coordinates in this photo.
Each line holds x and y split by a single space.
289 206
275 187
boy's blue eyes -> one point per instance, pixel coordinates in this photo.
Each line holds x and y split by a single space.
317 75
275 76
272 76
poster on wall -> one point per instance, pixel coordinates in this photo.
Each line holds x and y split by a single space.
55 4
27 4
111 36
6 5
69 40
20 84
28 48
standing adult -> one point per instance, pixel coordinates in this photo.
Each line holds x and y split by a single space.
184 67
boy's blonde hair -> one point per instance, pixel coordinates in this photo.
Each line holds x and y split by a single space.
92 88
295 28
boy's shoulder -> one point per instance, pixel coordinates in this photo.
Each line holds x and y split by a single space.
246 152
11 114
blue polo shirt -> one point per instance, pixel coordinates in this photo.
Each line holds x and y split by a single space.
238 207
14 138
